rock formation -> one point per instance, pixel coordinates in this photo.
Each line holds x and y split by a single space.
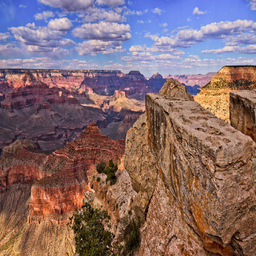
194 178
215 95
39 192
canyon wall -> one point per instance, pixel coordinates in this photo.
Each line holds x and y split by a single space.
39 192
194 177
214 96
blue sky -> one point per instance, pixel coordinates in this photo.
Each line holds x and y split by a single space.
165 36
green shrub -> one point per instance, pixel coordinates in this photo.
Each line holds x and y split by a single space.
109 170
91 238
132 238
101 166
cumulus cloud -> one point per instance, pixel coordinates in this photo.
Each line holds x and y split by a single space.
39 62
253 5
111 3
98 46
97 14
44 15
222 29
244 38
147 56
157 11
166 57
42 41
188 37
250 49
4 36
22 6
70 6
163 25
197 12
9 50
62 24
139 48
103 31
31 25
138 56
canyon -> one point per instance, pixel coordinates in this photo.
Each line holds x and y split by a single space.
188 176
53 107
39 192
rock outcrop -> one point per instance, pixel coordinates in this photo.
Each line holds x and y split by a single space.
215 95
201 198
242 112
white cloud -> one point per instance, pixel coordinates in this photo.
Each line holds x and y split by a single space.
9 50
188 37
165 30
22 6
62 24
98 46
69 5
245 38
97 14
140 21
163 25
250 49
42 41
4 36
197 12
157 11
221 29
103 31
44 15
111 3
31 25
166 57
253 5
138 56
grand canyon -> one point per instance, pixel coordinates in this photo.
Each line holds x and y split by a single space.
186 174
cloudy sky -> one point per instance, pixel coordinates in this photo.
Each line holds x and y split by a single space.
165 36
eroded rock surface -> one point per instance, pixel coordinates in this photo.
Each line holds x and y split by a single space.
242 112
205 170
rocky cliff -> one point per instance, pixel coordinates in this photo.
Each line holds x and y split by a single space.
194 177
39 192
215 95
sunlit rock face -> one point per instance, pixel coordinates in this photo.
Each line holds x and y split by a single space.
201 198
214 96
39 192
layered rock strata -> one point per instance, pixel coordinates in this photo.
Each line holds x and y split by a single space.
39 192
242 112
214 96
203 168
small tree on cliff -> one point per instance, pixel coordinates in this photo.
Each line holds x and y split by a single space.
110 170
91 238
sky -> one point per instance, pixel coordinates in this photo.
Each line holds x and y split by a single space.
166 36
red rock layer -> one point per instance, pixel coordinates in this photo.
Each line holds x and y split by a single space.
64 191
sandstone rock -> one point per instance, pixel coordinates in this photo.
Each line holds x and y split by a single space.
192 80
215 95
204 170
175 90
242 112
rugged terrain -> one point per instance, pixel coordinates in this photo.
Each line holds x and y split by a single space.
39 192
214 96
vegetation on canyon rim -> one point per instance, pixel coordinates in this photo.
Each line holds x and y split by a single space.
109 170
91 238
